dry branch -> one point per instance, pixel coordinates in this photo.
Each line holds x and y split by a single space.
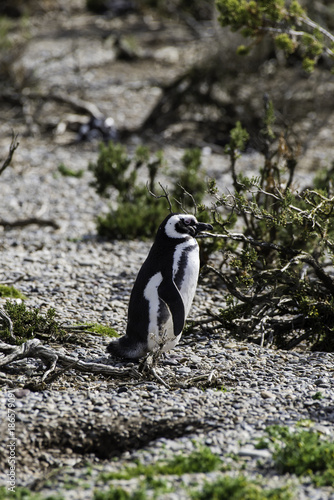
28 221
13 146
77 104
165 195
34 349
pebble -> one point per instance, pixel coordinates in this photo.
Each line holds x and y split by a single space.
267 395
253 453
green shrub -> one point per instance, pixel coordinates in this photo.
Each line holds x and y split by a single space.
138 214
240 488
68 172
30 323
285 21
118 493
105 331
22 493
303 452
278 288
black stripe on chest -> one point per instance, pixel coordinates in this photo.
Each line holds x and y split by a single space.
183 264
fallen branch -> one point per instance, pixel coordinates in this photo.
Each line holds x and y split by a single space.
34 349
30 220
77 104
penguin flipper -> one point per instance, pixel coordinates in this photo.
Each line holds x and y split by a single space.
172 297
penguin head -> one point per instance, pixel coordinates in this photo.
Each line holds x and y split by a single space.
182 226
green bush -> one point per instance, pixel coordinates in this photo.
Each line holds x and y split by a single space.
30 323
138 213
303 452
200 460
68 172
285 21
280 286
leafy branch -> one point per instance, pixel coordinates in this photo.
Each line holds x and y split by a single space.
285 21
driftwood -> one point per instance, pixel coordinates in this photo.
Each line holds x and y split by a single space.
35 349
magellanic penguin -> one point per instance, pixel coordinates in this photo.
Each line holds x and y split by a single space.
164 289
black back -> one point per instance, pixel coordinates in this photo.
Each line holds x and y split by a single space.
159 259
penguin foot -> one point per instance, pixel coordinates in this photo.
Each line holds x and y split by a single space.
147 366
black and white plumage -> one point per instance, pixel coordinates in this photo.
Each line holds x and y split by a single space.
164 289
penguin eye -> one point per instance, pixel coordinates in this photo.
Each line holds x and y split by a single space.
187 222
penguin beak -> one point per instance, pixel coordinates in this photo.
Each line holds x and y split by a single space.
202 226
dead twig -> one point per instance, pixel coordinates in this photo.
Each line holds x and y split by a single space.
165 195
13 146
147 366
180 203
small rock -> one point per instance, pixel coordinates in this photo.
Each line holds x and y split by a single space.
253 453
21 393
267 395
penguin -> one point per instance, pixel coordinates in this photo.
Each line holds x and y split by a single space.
164 289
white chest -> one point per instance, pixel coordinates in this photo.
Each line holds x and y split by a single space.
185 271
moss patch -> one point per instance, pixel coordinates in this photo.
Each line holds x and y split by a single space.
105 331
11 292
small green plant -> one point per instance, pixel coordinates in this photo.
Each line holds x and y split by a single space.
68 172
105 331
22 493
138 213
118 493
30 323
11 292
303 452
155 487
240 488
200 460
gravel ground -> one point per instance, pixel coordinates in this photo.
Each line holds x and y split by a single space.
221 393
71 432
